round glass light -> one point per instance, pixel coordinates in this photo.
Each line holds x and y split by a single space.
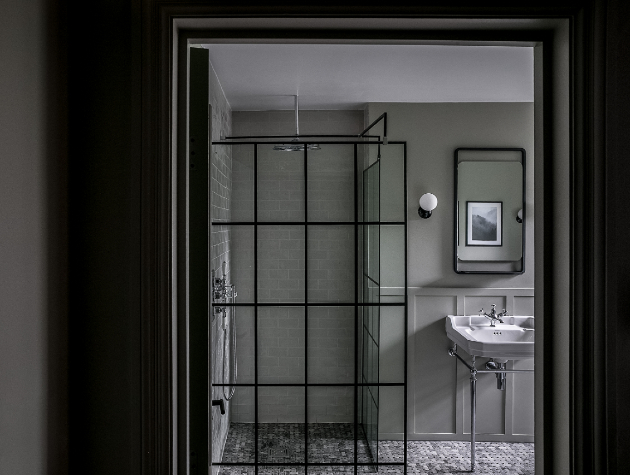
428 202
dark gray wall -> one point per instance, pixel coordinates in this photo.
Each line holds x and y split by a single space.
617 256
104 133
33 275
104 238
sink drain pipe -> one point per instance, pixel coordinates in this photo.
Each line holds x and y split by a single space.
501 379
500 372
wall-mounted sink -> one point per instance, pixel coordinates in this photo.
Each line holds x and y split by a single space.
510 340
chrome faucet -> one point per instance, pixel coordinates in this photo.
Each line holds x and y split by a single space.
493 315
221 290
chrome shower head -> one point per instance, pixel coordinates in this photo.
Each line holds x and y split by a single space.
295 146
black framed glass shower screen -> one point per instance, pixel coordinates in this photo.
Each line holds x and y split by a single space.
309 232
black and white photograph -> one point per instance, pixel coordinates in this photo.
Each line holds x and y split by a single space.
483 223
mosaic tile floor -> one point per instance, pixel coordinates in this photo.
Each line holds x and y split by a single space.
334 443
284 443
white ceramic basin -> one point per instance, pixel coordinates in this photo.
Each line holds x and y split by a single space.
510 340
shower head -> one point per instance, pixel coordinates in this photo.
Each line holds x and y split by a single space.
296 147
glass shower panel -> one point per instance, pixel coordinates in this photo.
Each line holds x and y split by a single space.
221 183
280 185
281 424
241 262
281 470
391 356
370 380
371 195
245 344
242 197
240 412
371 313
235 469
391 182
392 263
391 421
281 337
281 259
233 341
331 183
330 339
330 469
331 270
331 424
382 469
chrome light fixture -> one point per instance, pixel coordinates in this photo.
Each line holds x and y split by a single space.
428 203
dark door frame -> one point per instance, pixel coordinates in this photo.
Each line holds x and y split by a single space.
571 231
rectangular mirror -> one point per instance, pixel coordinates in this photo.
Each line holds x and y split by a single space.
489 228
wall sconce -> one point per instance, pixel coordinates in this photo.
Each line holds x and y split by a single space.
519 216
427 203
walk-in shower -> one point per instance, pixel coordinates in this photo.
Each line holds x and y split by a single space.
315 243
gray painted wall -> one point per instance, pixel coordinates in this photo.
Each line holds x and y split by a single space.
433 132
23 293
33 233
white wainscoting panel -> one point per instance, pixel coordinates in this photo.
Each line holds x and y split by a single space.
439 385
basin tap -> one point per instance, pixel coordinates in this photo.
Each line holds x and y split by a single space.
493 315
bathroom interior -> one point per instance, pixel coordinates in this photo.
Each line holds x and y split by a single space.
333 346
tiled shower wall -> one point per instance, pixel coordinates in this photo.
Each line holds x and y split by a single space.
282 255
221 189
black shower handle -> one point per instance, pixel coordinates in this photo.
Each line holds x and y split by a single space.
221 403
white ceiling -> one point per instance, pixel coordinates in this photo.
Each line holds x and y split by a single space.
346 76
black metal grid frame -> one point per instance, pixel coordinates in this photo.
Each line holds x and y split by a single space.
357 304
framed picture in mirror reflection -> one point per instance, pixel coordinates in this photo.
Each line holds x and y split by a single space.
484 221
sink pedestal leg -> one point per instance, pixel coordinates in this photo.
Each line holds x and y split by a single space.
473 413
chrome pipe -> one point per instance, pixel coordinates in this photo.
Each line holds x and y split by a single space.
505 371
453 352
473 395
297 127
473 414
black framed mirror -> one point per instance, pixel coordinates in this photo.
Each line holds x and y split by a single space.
489 225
